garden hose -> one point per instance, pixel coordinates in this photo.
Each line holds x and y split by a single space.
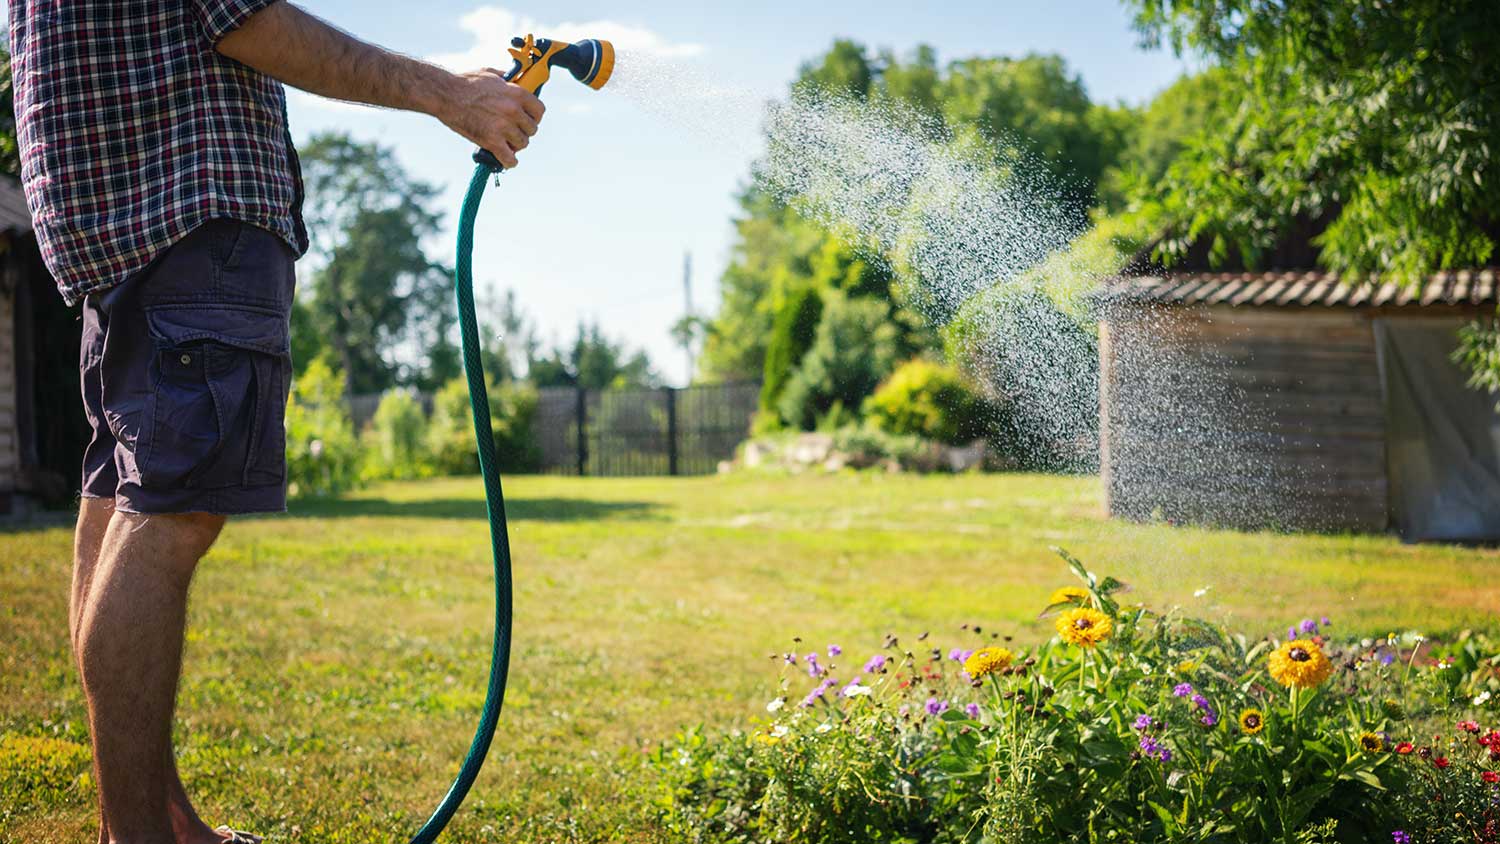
591 62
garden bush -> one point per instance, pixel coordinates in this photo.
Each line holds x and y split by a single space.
792 334
929 400
1128 726
855 348
395 444
322 452
450 431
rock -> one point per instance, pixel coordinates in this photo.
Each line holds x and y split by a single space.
755 454
810 449
962 458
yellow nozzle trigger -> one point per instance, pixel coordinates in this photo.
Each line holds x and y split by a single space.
532 66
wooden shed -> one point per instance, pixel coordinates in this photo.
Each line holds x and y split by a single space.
42 431
1292 400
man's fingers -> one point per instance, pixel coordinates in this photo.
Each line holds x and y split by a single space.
526 125
533 107
506 155
515 137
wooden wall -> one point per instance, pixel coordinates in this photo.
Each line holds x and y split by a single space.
1243 417
9 441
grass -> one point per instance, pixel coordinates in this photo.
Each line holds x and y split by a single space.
336 656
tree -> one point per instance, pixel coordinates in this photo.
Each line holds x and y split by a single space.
595 362
10 152
1376 124
384 309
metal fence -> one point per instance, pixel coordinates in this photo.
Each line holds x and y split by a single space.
664 431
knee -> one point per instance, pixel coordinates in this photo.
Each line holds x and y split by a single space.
197 531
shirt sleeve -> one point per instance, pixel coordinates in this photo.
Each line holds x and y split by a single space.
221 17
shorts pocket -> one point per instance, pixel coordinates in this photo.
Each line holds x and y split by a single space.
215 415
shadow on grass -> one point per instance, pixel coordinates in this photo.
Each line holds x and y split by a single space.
516 509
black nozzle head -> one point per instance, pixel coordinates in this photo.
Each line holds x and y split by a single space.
591 61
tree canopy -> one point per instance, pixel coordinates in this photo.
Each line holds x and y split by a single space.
1374 125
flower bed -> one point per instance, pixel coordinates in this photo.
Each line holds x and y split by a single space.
1128 726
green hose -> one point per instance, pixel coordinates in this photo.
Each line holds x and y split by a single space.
479 401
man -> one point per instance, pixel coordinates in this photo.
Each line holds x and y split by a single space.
166 198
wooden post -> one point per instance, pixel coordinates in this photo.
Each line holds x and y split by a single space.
583 431
671 431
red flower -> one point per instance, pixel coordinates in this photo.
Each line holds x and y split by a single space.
1490 739
1490 776
1468 726
1440 762
1403 747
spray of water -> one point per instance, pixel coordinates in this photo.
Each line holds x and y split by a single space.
986 243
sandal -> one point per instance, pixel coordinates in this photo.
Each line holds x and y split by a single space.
234 836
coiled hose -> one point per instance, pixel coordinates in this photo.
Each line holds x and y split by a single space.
479 401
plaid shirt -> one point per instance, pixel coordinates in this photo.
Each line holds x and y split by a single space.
133 130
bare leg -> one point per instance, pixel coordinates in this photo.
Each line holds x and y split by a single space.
128 636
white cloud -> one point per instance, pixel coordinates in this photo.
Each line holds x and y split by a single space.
494 26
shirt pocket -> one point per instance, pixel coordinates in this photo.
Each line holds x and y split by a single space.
215 415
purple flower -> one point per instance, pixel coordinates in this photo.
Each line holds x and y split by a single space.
1182 690
791 659
1291 633
1209 719
936 707
1143 722
834 650
876 663
1309 626
813 668
817 692
972 709
1153 748
957 655
1387 657
1400 837
1326 622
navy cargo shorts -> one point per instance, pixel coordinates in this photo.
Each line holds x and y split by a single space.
186 368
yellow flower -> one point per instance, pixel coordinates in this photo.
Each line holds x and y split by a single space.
1069 595
1084 627
1186 667
987 661
1300 663
1252 721
1371 743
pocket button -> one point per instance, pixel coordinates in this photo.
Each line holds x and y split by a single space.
186 359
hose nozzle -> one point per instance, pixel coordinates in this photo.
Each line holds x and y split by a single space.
591 61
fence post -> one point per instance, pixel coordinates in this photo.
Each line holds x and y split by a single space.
583 431
671 431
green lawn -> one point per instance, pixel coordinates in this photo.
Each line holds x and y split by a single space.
336 656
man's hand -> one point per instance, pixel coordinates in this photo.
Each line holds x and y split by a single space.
286 43
493 113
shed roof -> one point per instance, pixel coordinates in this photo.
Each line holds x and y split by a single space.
1304 288
15 216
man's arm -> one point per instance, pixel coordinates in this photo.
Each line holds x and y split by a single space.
286 43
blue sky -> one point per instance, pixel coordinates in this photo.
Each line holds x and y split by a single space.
654 190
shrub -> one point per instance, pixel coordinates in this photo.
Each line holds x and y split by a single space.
322 453
792 335
1128 726
450 432
855 347
930 400
396 441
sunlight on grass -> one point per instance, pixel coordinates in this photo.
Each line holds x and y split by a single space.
336 658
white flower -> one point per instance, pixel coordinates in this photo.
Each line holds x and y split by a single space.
823 727
1201 592
1481 699
776 704
779 730
856 690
